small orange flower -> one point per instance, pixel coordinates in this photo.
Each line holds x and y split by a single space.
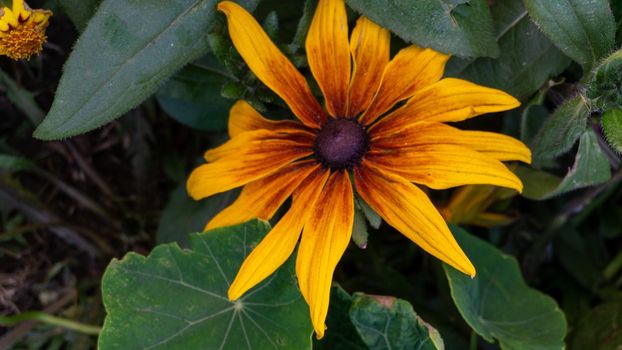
362 135
22 30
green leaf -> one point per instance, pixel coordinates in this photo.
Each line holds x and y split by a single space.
527 60
390 323
561 130
177 299
192 96
499 305
341 333
591 167
600 329
537 184
359 230
23 99
612 128
461 27
604 89
583 29
79 11
184 214
126 52
12 163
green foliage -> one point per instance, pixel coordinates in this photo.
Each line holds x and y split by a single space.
176 299
561 130
612 127
600 328
193 98
127 51
11 163
184 214
463 27
604 89
499 305
583 30
591 167
527 59
375 322
390 323
80 11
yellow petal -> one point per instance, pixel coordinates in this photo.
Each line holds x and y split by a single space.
9 18
412 69
246 158
328 54
324 240
20 10
495 145
270 65
445 166
405 207
280 242
257 139
369 45
243 117
262 198
449 100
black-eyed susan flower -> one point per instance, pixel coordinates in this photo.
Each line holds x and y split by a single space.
22 30
362 135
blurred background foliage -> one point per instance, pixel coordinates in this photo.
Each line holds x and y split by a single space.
67 207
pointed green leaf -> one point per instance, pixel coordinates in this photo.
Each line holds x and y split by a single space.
499 305
583 29
127 50
389 323
460 27
561 130
591 166
612 127
527 60
177 299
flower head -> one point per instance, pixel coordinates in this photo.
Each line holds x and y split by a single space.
22 30
361 135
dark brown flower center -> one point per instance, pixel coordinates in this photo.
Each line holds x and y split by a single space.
341 143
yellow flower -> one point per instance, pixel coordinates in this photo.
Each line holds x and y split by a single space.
314 160
22 30
469 204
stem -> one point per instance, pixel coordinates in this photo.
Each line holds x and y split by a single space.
9 321
473 341
613 267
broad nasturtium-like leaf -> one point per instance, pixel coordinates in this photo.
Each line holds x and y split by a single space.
527 59
561 130
583 29
460 27
389 323
177 299
375 322
127 50
499 305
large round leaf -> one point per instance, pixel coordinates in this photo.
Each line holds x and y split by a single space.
498 304
177 299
